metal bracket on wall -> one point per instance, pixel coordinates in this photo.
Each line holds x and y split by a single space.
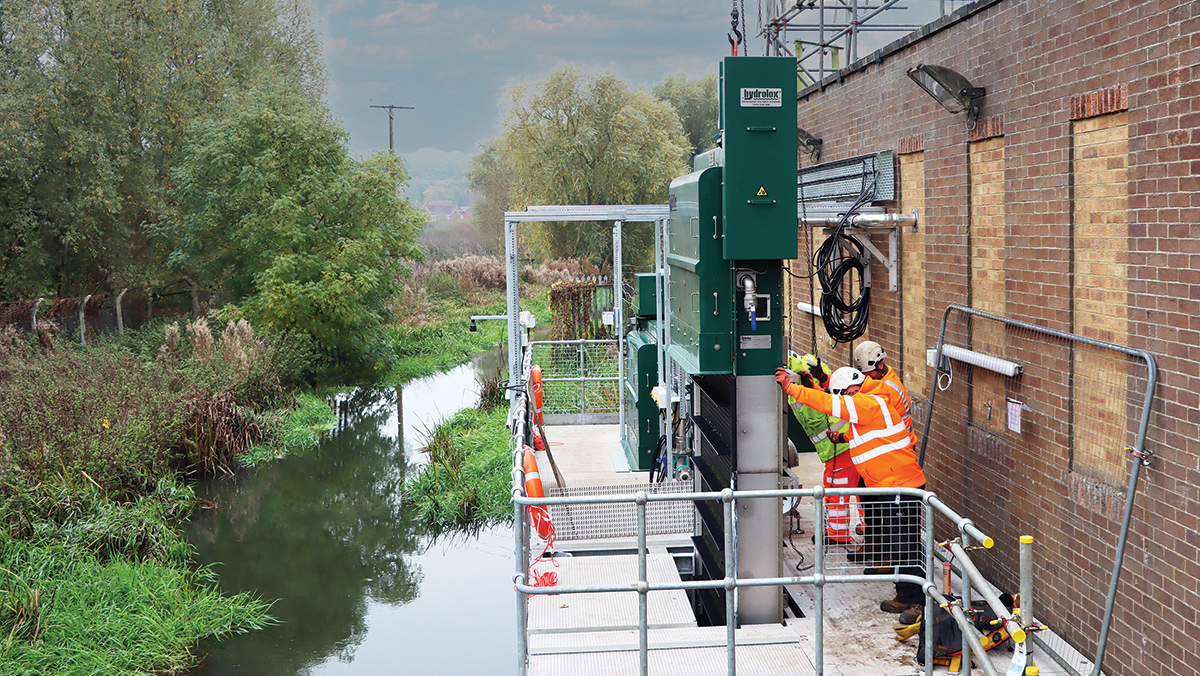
861 228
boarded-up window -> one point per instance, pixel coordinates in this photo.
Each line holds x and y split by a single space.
912 196
1100 257
987 276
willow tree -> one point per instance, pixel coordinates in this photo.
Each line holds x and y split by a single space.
95 97
697 104
581 139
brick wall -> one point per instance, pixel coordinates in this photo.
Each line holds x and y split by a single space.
1056 72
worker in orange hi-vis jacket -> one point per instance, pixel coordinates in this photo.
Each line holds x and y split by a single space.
869 358
882 450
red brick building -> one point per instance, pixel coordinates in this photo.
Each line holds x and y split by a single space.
1073 204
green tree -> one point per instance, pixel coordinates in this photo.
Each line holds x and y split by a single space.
96 96
697 104
272 209
577 139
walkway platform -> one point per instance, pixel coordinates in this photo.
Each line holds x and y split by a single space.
596 634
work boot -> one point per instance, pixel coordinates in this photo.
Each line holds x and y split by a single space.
912 615
897 606
882 567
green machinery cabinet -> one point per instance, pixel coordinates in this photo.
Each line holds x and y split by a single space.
645 303
758 108
701 293
641 413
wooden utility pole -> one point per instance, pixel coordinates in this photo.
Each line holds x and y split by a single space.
391 120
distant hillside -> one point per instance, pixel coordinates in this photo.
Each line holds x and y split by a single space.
438 175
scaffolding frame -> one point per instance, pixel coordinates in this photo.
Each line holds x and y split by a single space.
829 28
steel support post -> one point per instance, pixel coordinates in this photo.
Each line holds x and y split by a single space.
930 579
643 588
819 583
1026 586
512 280
619 323
730 584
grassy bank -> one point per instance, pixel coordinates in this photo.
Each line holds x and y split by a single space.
96 444
467 483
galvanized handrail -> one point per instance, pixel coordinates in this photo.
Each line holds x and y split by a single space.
520 424
731 582
1138 451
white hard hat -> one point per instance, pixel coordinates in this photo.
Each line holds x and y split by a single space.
843 378
867 355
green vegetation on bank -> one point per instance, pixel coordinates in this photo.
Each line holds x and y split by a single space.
95 445
467 482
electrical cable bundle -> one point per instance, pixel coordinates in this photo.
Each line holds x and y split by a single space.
838 255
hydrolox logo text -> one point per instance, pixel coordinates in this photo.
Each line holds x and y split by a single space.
762 97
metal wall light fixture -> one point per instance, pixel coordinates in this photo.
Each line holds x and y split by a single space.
950 89
809 144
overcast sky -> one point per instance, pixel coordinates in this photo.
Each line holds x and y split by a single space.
452 59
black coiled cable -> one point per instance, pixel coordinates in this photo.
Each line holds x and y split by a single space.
838 255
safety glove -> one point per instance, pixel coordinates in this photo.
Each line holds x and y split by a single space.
817 369
781 377
806 379
836 437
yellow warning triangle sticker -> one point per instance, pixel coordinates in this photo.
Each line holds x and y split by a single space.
762 191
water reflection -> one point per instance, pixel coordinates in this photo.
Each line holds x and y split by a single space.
359 590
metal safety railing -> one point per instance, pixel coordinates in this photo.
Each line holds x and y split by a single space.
1051 423
580 379
930 504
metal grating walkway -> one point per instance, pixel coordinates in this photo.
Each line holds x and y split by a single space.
766 650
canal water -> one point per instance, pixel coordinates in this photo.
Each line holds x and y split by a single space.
358 588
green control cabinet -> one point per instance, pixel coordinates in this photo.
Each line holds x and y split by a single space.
701 280
641 413
645 303
758 122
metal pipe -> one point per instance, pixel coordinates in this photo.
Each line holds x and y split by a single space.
993 601
965 599
819 585
643 588
730 584
1026 580
971 635
1141 455
619 322
929 559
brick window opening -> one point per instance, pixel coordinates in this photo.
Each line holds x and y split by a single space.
1100 257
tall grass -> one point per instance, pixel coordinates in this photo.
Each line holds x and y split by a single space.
467 483
111 617
95 576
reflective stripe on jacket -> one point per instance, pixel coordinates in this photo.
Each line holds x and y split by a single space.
892 380
880 444
814 423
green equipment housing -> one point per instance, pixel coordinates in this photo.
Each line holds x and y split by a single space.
732 222
641 375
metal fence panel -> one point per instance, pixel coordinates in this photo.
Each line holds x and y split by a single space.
1052 451
578 376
